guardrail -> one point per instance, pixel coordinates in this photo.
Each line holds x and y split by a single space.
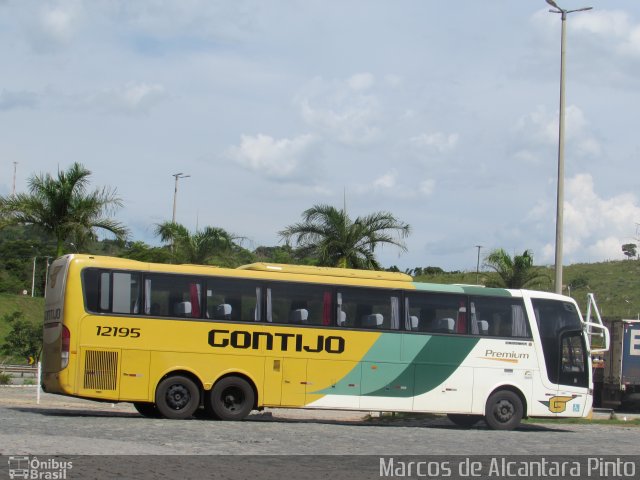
22 370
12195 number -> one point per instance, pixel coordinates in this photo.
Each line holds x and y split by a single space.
107 331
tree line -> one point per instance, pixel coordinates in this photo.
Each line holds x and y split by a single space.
62 214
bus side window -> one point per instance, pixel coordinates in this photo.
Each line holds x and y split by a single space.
368 308
232 300
111 292
435 312
499 317
172 296
297 304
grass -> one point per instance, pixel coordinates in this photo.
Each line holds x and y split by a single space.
32 308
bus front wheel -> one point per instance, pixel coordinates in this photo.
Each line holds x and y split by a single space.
177 397
504 410
232 398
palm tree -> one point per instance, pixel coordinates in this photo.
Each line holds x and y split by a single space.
64 208
337 241
197 248
516 272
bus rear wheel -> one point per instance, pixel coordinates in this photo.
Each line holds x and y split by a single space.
177 397
147 409
462 420
504 410
232 398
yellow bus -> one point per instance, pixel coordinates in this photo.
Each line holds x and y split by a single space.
179 340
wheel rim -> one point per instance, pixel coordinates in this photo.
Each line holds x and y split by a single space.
178 396
232 399
503 411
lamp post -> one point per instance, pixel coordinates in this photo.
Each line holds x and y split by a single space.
478 266
175 193
46 276
560 192
15 168
33 275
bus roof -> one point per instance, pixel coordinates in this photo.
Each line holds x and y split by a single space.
327 271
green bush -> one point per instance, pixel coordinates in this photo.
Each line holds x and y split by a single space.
5 379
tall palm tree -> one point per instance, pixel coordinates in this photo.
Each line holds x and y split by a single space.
197 248
516 272
64 208
337 241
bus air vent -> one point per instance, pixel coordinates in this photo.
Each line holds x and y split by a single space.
100 370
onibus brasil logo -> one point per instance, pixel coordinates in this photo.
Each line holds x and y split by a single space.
33 468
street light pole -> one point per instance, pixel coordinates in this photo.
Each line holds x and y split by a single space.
478 265
15 168
560 191
33 275
175 194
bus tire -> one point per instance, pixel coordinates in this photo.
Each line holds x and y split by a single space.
177 397
232 398
147 409
463 420
504 410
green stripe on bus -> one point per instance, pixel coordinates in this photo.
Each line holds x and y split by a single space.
429 361
434 363
464 289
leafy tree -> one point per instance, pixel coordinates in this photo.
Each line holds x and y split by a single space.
200 247
141 251
516 272
18 247
630 250
24 338
64 208
337 241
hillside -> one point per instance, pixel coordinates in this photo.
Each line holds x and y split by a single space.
616 286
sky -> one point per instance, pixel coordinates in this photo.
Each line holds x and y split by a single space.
443 113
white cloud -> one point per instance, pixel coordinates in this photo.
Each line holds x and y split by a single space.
594 227
614 30
53 26
360 81
276 159
427 187
129 98
393 185
388 180
437 142
538 130
342 110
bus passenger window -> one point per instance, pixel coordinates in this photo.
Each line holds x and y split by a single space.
499 317
172 296
435 312
369 308
232 300
111 291
298 304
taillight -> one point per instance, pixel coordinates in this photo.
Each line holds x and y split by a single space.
66 342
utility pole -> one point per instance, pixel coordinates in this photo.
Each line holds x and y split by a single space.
15 168
478 266
560 192
175 193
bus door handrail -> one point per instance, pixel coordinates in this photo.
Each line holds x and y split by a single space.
596 324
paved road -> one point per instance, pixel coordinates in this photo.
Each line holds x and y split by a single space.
70 427
61 425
